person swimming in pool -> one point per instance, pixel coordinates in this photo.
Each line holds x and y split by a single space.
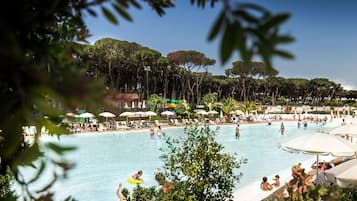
137 176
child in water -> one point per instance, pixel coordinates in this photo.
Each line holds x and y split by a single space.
137 176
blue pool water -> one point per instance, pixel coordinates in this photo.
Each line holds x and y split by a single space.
104 160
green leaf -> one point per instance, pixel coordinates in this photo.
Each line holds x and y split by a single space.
45 107
284 39
28 155
109 15
216 26
92 12
60 149
255 7
52 126
39 172
135 4
122 12
227 44
69 198
245 15
45 188
123 3
241 42
267 61
283 54
274 21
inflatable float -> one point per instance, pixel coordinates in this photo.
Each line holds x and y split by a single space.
135 181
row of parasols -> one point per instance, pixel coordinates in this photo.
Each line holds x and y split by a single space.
139 114
124 114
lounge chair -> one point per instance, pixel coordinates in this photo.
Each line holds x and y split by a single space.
186 121
197 122
177 123
101 127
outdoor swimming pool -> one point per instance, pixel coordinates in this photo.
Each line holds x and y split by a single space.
104 160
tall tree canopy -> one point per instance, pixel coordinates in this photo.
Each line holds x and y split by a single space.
191 60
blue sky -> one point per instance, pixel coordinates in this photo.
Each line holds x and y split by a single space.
325 33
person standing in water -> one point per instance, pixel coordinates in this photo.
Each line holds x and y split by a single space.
282 128
237 131
305 124
152 132
159 131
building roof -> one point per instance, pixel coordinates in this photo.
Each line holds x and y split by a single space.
121 97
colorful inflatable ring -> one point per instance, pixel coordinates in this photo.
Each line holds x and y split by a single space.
134 181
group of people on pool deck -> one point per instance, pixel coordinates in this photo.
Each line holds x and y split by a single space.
266 186
300 179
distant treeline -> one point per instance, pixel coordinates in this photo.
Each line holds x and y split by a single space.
184 74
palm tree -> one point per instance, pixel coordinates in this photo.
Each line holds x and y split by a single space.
209 100
229 105
247 106
156 102
183 108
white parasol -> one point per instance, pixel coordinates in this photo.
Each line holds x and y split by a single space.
127 114
86 115
320 144
150 113
349 129
106 114
167 113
